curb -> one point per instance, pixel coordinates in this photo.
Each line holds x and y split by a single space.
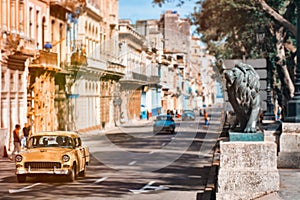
272 196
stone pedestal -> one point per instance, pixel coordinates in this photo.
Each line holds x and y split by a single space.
247 170
272 132
289 146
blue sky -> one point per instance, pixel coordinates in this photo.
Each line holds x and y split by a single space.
143 9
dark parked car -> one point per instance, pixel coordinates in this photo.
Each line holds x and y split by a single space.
164 123
188 115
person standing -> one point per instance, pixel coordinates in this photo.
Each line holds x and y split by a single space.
26 133
17 140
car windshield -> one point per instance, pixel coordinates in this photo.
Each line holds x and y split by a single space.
50 141
163 118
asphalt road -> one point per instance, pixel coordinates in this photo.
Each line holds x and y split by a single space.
131 162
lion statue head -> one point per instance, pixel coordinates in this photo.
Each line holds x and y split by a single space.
242 83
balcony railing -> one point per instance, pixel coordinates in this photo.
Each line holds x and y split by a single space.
46 60
78 58
139 76
66 6
113 21
154 79
116 67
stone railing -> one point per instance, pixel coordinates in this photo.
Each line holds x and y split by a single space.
116 67
46 59
154 79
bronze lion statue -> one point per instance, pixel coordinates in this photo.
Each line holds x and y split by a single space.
242 83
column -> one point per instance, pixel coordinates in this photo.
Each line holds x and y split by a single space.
5 120
4 14
13 15
21 17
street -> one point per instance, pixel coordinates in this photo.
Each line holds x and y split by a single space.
131 162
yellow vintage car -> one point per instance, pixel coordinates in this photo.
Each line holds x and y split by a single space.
53 153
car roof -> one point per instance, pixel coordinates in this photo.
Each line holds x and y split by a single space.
60 133
164 116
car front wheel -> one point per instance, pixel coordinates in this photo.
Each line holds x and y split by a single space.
72 175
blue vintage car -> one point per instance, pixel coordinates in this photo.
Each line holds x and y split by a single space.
164 123
188 115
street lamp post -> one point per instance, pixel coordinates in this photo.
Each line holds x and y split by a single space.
269 114
293 107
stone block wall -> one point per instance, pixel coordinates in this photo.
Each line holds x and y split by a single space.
247 170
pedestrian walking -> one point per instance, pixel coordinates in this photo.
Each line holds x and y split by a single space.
200 112
17 140
26 133
206 118
148 114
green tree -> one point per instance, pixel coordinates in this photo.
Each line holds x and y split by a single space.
229 29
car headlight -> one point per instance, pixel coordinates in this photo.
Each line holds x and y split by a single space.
19 158
66 158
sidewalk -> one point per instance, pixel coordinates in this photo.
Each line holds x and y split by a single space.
289 186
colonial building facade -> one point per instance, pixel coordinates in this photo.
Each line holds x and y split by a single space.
72 65
17 49
179 72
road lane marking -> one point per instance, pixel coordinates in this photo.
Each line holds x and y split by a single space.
163 144
100 180
24 189
149 188
132 163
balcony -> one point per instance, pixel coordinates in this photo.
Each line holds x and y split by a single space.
113 21
133 80
114 71
154 79
64 5
59 8
27 46
46 60
79 58
93 8
18 42
116 67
